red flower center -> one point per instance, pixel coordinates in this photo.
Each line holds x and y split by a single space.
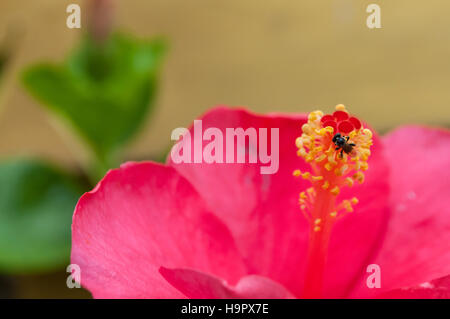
337 147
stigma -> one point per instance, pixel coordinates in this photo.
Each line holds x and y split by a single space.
337 148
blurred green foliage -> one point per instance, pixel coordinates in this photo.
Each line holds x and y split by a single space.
103 91
36 205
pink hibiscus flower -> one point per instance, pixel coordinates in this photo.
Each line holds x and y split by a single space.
227 231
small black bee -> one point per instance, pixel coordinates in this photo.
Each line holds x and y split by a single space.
341 143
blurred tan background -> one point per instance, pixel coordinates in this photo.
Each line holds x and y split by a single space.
272 55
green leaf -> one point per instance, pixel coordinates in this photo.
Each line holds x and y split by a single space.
104 92
36 206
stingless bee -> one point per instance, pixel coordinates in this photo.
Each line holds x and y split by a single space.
342 143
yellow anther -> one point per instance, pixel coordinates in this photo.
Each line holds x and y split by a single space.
297 173
306 129
317 178
354 201
367 132
335 190
311 191
303 195
328 166
333 214
364 166
365 153
340 107
349 181
309 158
347 205
306 175
326 184
299 142
329 129
359 176
317 228
320 158
302 207
301 152
314 115
317 221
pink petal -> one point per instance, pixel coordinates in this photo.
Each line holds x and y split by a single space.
262 210
198 285
141 217
417 245
436 289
